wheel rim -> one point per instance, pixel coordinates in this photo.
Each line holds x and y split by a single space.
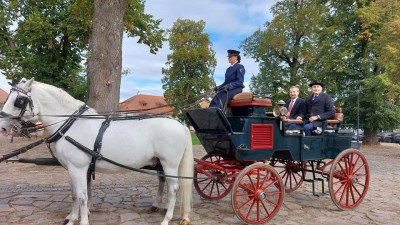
216 187
349 179
257 194
291 173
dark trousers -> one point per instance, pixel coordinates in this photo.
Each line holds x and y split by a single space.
223 97
308 129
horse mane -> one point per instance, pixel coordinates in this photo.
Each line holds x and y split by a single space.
64 98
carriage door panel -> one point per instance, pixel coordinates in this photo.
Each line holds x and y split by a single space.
262 136
312 149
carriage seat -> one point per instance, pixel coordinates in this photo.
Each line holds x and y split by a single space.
291 121
247 99
336 120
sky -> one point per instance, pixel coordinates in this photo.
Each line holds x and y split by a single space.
228 22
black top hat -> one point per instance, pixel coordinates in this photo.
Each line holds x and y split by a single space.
233 52
316 83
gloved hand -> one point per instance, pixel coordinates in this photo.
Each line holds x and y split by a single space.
224 88
216 88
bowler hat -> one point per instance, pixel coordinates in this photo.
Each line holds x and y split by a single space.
233 52
316 83
281 102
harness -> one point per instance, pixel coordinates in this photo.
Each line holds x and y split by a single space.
97 147
66 125
97 144
22 102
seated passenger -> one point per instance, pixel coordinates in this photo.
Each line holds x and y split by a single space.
318 108
295 105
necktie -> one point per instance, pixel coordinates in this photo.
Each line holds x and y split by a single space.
314 97
291 105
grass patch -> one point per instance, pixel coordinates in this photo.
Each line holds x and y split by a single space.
195 139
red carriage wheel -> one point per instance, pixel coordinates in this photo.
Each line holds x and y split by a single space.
291 173
348 179
214 187
257 194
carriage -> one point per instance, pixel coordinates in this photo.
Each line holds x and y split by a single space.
252 154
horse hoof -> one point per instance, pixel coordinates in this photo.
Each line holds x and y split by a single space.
184 222
68 222
154 209
163 211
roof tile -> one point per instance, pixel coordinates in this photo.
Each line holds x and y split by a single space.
143 102
3 96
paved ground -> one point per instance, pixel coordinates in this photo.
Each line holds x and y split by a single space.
32 194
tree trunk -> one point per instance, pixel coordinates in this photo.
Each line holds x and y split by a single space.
105 58
370 138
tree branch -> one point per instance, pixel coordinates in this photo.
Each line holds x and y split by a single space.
8 39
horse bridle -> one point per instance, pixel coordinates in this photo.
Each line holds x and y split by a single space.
21 102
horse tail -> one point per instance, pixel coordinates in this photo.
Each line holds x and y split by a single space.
186 169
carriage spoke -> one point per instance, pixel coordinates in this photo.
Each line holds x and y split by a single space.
291 173
250 209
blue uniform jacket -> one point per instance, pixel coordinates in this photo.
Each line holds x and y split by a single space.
234 76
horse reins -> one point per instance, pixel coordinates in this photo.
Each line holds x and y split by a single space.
23 101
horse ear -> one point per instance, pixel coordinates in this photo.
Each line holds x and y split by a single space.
28 83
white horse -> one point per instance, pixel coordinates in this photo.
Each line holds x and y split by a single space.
133 143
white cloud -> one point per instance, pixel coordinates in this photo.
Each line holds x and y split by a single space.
4 83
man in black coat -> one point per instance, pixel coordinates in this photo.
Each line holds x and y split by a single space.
318 108
233 83
295 105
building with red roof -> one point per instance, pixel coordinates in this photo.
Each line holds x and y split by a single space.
3 98
146 104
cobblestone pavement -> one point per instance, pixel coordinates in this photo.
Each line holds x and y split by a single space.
37 194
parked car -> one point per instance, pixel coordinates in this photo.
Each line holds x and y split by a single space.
396 138
360 137
381 136
389 137
386 137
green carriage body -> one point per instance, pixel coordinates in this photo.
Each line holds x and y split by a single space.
251 155
252 135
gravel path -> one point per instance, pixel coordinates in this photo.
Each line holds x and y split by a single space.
32 194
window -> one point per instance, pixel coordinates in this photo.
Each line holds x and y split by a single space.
142 103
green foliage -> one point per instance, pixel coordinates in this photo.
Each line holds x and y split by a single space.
142 25
188 71
378 111
49 39
285 48
381 22
345 44
195 139
45 42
